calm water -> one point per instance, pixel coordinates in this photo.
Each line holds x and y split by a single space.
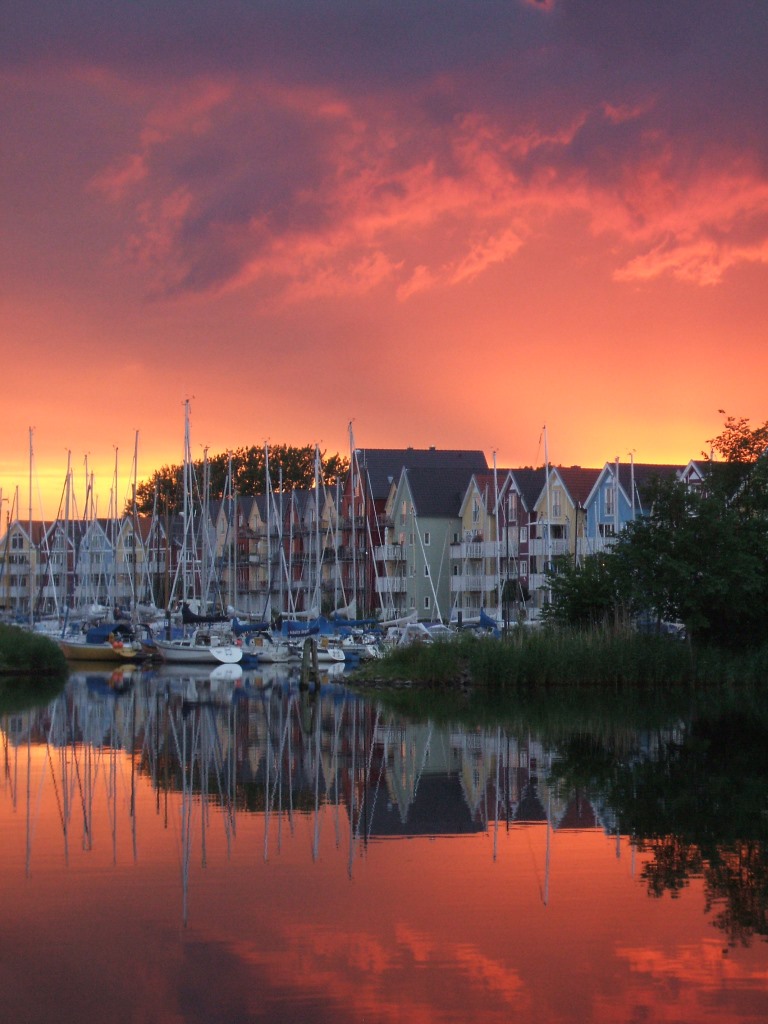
189 848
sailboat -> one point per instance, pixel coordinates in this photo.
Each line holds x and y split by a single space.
207 642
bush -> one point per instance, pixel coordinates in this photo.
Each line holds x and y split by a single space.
25 652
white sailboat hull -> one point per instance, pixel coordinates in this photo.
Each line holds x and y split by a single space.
188 651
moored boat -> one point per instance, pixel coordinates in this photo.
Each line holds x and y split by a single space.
199 647
113 642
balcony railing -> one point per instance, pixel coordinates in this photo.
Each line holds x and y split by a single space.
391 585
541 547
477 549
477 584
389 553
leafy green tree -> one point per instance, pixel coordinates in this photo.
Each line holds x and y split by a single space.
591 593
699 556
290 466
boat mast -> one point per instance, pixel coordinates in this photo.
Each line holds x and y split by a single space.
355 472
497 517
549 507
31 580
268 498
67 493
316 601
113 529
134 525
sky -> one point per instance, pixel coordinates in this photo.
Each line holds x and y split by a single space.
477 224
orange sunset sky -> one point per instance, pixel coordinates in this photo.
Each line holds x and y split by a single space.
446 223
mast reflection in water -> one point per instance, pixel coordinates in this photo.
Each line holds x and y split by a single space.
225 846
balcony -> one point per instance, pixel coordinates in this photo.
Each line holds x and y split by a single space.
389 553
476 550
540 547
480 584
391 585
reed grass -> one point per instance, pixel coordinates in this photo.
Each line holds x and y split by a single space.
557 657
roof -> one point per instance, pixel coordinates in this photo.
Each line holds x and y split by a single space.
488 483
644 472
438 493
579 482
438 807
530 484
382 466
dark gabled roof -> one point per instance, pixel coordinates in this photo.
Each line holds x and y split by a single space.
579 814
644 472
438 808
488 482
578 481
245 503
301 498
530 484
382 466
214 507
438 492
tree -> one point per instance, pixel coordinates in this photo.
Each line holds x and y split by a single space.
291 466
699 556
588 594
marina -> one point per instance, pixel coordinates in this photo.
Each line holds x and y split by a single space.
226 845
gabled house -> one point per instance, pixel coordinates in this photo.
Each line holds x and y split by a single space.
620 495
424 512
22 566
363 518
236 534
477 573
518 506
559 530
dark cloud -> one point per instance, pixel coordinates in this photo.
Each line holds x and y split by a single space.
340 125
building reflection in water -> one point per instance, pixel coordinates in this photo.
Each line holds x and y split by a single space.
236 766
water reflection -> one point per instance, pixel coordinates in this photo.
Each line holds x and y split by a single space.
202 769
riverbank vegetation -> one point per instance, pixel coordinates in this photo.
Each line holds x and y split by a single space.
24 653
561 656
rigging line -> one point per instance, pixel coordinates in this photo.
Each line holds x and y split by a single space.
424 758
382 764
55 783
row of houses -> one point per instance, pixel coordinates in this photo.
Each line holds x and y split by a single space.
432 533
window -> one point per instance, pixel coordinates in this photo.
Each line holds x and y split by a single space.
426 602
523 567
523 534
557 506
426 570
475 512
610 503
455 570
426 538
